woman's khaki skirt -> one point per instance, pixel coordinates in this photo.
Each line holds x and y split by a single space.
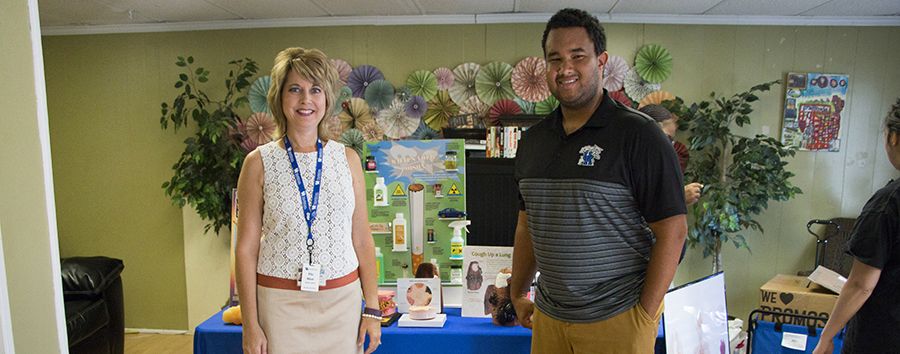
326 321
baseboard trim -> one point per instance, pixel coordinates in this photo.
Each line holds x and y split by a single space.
154 331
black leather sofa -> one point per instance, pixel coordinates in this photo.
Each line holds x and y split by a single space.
95 310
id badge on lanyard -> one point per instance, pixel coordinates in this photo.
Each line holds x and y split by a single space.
311 274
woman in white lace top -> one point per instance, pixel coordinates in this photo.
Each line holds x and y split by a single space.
305 259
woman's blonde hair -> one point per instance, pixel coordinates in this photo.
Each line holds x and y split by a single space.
313 66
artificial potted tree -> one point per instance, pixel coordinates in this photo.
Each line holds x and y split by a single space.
740 174
209 167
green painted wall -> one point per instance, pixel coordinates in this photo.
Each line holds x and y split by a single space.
28 235
110 157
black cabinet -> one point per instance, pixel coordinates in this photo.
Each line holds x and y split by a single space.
492 201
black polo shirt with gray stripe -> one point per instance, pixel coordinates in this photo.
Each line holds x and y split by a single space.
589 197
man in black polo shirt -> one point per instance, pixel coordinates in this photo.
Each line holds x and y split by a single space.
602 212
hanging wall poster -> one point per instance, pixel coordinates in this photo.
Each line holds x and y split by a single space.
813 108
480 267
420 188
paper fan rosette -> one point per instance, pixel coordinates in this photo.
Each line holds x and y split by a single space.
546 106
424 132
333 127
379 94
614 73
493 83
342 100
260 127
361 77
403 93
527 107
636 88
621 97
653 63
395 122
444 78
416 107
464 81
343 70
423 83
529 79
440 109
656 98
356 115
353 138
372 132
474 105
257 96
503 107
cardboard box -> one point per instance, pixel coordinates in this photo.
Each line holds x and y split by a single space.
796 295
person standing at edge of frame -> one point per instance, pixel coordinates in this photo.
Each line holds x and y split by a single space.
868 300
301 287
602 209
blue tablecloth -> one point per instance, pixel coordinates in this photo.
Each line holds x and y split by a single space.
459 335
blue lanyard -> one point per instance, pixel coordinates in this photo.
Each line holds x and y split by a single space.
309 210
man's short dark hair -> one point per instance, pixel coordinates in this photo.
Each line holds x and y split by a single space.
569 17
658 113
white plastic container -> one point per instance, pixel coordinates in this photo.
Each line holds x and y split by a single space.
380 192
401 233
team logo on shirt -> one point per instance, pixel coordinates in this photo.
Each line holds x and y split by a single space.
589 153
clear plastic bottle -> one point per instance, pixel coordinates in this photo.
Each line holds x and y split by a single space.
379 263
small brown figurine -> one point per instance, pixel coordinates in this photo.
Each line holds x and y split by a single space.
502 310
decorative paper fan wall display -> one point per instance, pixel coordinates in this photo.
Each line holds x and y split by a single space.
257 96
343 70
529 79
503 107
546 106
353 139
614 73
440 108
653 63
403 93
379 94
422 83
416 107
260 127
355 116
424 132
474 105
395 122
621 97
527 107
656 98
444 78
361 77
493 83
464 81
636 88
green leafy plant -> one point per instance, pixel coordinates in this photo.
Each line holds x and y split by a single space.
208 169
740 174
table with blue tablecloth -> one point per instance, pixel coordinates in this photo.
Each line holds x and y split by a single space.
459 335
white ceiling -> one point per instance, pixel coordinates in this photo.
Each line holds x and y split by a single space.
109 16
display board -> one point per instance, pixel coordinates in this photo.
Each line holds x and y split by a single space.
425 181
696 317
